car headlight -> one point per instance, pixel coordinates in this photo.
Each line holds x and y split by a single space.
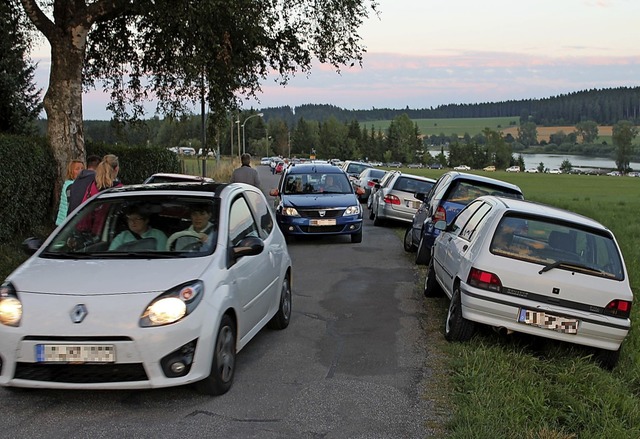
10 305
173 305
352 210
290 211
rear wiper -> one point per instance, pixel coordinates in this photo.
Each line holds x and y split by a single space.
568 264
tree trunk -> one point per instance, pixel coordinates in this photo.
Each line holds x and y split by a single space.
63 100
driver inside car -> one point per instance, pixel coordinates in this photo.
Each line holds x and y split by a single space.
200 235
139 232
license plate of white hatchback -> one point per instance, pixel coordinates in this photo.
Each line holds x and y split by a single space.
64 353
548 321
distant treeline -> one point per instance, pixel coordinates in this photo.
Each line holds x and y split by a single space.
604 106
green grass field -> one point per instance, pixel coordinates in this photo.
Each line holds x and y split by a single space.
460 126
527 388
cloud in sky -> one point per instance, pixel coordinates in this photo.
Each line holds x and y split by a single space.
425 53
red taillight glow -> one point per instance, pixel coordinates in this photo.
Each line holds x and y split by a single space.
391 199
371 183
618 308
440 215
484 280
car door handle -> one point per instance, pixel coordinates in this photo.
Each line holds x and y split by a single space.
465 247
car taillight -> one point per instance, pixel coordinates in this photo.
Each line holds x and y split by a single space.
371 183
391 199
484 280
440 215
618 308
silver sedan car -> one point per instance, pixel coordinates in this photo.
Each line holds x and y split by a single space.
394 198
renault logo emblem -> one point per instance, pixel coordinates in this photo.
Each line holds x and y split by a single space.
78 313
322 213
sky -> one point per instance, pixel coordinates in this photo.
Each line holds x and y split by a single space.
425 53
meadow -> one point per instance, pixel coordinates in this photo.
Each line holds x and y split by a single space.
506 387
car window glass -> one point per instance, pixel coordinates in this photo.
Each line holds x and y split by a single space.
463 217
262 212
469 229
541 240
241 222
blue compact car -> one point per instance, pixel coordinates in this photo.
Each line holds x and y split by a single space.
317 199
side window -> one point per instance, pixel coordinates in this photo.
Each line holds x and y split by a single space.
261 210
241 222
463 217
471 226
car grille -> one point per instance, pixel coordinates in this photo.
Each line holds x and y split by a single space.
315 213
81 373
322 229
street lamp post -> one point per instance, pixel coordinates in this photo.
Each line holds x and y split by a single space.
243 124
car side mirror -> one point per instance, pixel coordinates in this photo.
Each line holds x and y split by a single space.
441 225
422 196
31 245
377 186
274 192
249 246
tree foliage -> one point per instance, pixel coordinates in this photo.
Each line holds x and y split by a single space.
20 103
623 134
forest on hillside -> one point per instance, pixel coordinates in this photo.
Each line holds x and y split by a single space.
604 106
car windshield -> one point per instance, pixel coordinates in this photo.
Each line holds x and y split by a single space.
558 245
316 183
150 226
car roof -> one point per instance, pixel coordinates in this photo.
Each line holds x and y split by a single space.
482 179
535 208
314 168
215 188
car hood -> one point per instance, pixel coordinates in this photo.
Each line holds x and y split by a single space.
105 276
320 200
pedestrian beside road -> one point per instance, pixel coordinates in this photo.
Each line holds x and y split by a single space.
77 189
245 173
73 170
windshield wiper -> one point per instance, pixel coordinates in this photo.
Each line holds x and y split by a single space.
134 255
66 255
569 264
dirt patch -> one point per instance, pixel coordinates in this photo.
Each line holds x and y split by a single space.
545 132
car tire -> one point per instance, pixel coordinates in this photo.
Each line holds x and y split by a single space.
377 221
607 359
422 254
371 214
281 319
356 238
223 361
431 286
408 241
457 328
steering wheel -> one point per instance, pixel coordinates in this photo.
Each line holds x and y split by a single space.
184 234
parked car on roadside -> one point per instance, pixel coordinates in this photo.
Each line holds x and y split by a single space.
366 181
317 199
554 171
461 168
526 267
489 168
451 193
96 307
513 169
353 168
531 170
394 199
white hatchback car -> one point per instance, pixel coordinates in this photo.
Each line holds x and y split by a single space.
146 286
535 269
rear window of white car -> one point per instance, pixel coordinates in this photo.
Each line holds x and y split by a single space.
558 245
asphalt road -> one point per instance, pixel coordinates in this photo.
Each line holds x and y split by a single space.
352 364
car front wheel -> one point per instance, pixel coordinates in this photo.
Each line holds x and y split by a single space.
357 237
223 363
431 286
422 254
457 328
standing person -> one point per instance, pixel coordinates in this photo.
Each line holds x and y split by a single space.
245 173
73 170
106 176
77 189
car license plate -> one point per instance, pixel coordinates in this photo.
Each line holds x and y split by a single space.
64 353
548 321
323 222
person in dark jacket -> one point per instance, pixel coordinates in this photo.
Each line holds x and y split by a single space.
245 173
77 189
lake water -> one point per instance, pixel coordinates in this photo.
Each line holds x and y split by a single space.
577 161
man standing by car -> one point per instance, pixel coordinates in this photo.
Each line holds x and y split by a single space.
245 173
